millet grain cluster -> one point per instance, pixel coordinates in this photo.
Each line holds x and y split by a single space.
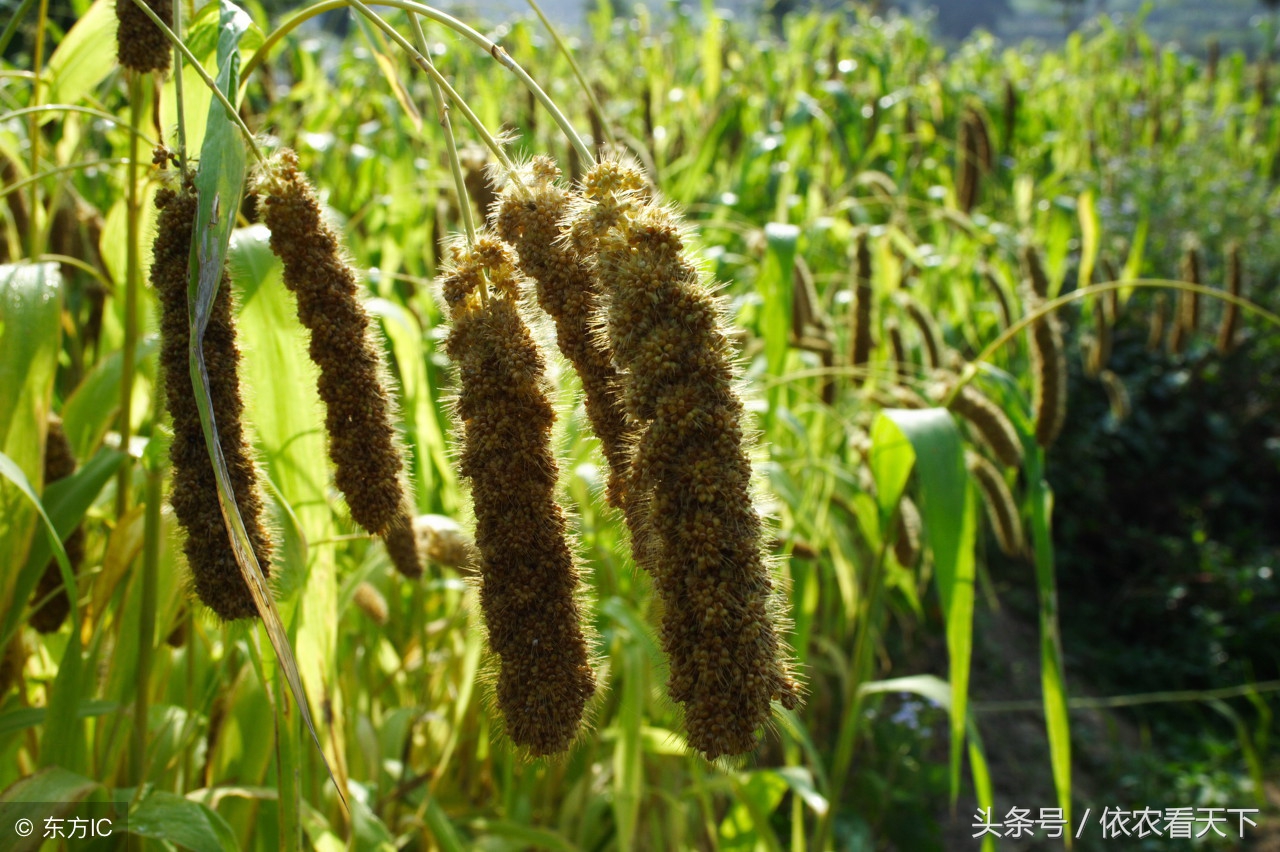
216 575
140 45
362 439
727 663
528 573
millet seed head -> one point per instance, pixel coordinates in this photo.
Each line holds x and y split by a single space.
528 572
215 573
367 460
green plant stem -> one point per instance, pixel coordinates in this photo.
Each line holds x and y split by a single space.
33 129
177 89
491 47
127 365
1178 696
846 744
577 72
451 144
96 113
57 170
425 64
147 616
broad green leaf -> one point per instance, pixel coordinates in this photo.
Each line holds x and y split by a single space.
26 578
747 825
53 784
948 509
84 57
52 792
775 286
30 337
63 741
171 818
91 409
892 458
800 780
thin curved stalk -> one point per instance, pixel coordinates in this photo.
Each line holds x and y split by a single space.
425 64
451 144
96 113
57 170
132 213
491 47
577 72
33 129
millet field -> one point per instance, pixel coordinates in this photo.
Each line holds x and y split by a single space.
677 432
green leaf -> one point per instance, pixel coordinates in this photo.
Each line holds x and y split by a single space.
800 780
91 409
84 57
30 717
25 579
171 818
775 287
983 790
53 784
1137 248
948 509
52 792
67 500
30 338
892 458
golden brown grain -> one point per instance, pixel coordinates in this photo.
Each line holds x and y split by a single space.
528 574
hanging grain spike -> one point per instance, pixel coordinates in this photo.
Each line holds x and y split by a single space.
863 296
362 440
528 216
1189 302
1002 298
1155 334
966 166
140 45
897 350
1002 511
727 660
1010 116
214 570
929 337
1047 355
906 544
990 423
59 463
528 575
1231 311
